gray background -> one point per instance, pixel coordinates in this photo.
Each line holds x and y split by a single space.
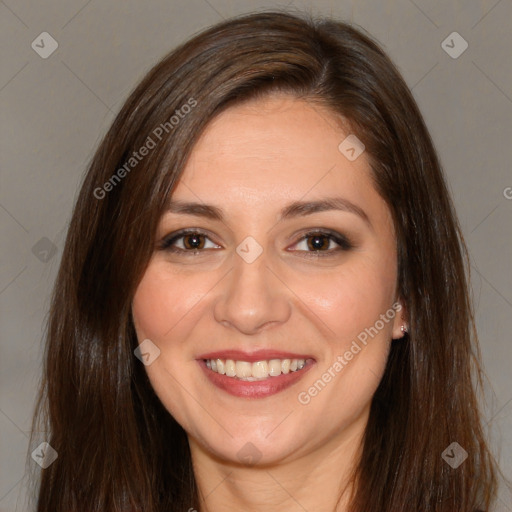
55 110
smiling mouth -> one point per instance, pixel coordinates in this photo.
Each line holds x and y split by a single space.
255 371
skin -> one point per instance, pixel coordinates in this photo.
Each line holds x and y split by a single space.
252 160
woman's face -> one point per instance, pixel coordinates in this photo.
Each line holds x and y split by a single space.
249 288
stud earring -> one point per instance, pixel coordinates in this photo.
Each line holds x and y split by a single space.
403 328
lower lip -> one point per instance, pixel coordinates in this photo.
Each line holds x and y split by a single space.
255 389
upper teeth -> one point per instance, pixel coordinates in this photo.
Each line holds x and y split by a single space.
258 370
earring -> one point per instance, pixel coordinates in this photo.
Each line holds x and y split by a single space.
403 328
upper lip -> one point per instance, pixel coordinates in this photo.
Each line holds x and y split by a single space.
251 357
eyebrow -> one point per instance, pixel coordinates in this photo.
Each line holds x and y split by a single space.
295 209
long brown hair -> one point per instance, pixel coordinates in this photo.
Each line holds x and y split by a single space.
118 448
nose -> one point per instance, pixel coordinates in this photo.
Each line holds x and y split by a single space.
253 297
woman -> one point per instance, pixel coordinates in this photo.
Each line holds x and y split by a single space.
262 301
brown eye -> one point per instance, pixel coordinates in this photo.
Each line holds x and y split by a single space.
318 243
187 242
194 241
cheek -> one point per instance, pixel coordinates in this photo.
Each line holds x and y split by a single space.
161 318
351 303
163 300
353 298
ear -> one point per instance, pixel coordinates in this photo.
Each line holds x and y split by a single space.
401 320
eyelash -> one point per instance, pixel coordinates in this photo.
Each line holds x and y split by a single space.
344 243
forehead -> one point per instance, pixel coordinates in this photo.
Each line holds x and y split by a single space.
272 150
276 128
